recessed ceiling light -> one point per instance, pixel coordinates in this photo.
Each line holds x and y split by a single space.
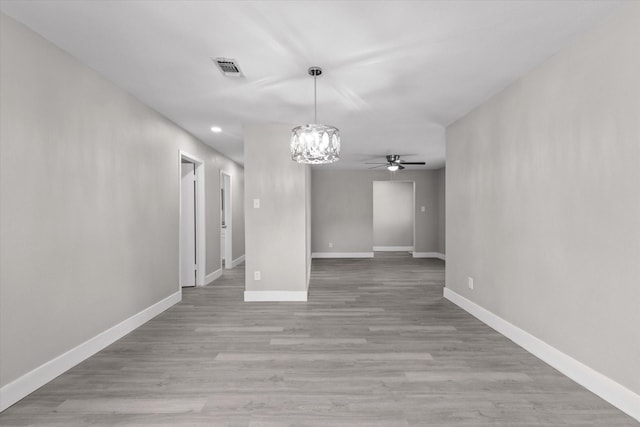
216 129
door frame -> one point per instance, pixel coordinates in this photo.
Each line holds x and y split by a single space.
228 234
413 185
201 246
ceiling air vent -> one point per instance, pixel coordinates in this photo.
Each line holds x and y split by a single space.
228 67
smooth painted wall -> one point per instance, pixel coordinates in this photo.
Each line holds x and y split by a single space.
342 209
392 213
442 211
543 201
89 202
276 243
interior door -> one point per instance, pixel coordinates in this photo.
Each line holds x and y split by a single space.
227 230
188 225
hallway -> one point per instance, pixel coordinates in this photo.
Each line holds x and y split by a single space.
376 345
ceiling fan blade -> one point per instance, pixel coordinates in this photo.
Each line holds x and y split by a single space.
400 167
411 163
367 157
376 167
375 163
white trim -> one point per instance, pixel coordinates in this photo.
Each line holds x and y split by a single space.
309 264
200 226
212 276
438 255
237 261
609 390
201 246
413 218
413 248
263 296
33 380
392 248
342 255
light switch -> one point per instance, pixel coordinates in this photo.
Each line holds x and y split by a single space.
256 203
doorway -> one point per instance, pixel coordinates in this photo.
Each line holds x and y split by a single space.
226 217
191 228
393 216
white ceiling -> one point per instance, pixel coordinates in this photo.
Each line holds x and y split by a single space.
396 73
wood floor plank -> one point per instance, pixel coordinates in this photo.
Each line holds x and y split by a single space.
412 328
236 329
316 341
375 345
132 406
461 377
314 356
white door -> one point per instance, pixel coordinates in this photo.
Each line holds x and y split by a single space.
226 233
188 225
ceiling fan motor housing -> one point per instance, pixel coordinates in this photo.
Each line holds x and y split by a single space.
393 158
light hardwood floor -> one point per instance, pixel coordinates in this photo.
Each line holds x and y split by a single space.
376 345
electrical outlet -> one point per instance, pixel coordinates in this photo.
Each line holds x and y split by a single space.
256 275
330 244
256 203
422 208
470 282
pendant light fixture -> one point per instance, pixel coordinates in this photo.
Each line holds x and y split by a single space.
315 143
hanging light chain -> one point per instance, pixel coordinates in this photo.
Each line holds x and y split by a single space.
315 101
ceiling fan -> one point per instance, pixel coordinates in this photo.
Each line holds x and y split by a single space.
394 163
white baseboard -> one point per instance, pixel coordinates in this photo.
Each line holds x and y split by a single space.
273 296
33 380
212 276
342 255
609 390
392 248
438 255
237 261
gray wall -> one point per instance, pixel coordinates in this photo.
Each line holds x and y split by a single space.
89 202
276 242
342 209
442 211
543 201
392 213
